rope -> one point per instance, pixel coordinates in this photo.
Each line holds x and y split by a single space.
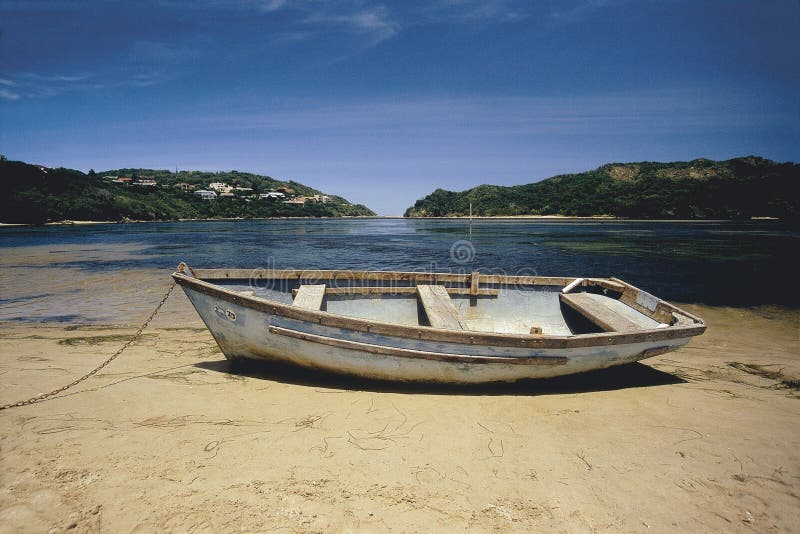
43 396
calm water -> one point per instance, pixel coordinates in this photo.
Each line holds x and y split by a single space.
719 263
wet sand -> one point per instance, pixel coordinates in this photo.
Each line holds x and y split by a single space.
171 437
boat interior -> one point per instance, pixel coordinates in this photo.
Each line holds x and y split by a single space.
537 306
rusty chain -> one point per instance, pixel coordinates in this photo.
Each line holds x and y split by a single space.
42 396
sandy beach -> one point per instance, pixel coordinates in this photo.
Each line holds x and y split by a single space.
171 437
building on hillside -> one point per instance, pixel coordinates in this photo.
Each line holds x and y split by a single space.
296 200
220 187
206 195
243 190
321 198
272 195
227 194
124 180
183 186
145 183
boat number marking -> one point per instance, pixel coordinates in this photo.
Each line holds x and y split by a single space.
230 314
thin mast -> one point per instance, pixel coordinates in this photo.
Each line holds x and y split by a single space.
470 221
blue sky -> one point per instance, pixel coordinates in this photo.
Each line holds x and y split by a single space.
382 102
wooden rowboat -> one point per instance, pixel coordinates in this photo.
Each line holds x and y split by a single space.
433 327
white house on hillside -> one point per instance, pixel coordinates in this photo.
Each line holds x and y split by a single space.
220 187
272 195
206 195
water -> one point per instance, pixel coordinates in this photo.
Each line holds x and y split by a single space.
50 273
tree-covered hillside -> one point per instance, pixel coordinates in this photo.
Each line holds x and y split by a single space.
201 179
32 194
698 189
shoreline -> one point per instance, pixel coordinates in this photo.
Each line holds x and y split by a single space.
600 218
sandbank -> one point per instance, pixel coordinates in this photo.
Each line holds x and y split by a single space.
171 437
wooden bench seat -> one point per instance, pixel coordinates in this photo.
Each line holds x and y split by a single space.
310 297
600 310
440 310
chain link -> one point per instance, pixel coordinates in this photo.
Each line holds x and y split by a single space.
43 396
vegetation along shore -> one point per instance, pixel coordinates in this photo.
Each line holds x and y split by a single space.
35 194
740 188
699 189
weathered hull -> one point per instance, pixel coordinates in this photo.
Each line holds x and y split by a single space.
242 331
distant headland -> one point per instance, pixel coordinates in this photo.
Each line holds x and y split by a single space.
35 194
740 188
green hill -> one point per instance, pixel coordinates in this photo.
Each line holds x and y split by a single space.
32 194
698 189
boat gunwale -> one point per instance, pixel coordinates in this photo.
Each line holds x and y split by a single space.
465 337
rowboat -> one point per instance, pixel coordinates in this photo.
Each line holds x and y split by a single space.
433 327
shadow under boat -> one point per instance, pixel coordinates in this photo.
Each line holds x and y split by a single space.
632 375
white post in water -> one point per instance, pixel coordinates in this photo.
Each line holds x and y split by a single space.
470 221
